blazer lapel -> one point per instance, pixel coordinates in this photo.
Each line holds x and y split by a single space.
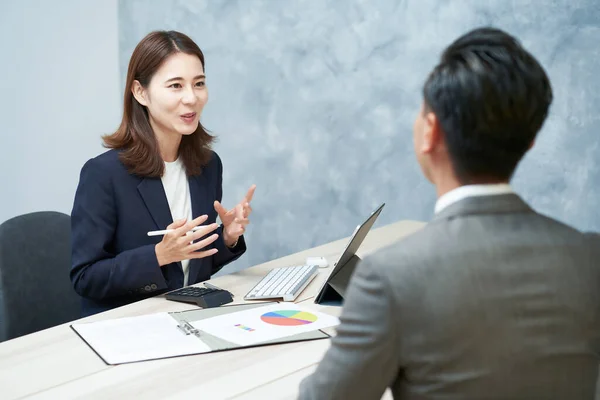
199 200
153 194
155 198
198 195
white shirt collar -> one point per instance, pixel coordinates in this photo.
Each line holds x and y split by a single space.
463 192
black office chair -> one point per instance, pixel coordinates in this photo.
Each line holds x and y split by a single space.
35 258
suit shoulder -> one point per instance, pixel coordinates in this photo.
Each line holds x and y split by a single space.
214 167
214 156
401 254
557 225
413 258
592 240
105 160
108 162
215 160
104 166
567 234
593 237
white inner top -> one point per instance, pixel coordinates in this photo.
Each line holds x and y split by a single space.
177 190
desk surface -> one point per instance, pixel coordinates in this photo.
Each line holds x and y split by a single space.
56 363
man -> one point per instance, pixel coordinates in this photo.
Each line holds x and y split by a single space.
490 300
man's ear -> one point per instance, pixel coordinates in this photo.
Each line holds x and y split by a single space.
139 93
531 145
432 133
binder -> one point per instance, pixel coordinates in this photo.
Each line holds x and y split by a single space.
179 338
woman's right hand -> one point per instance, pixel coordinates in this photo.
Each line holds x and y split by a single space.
179 244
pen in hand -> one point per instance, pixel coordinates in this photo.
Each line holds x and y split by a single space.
165 231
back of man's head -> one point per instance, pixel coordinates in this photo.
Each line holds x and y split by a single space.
491 97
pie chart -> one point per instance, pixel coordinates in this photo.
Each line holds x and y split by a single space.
288 318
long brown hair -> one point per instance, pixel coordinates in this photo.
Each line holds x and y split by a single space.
135 137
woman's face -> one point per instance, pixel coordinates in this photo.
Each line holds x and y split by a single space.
175 95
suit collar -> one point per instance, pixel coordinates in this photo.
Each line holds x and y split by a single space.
462 192
154 196
493 204
198 194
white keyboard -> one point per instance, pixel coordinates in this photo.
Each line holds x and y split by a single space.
285 282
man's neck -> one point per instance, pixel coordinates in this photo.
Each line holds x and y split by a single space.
445 187
445 181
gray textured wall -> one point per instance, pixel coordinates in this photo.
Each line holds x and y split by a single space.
59 85
314 101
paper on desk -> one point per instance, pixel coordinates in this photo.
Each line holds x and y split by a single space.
266 323
140 338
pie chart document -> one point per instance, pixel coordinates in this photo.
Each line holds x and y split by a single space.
266 323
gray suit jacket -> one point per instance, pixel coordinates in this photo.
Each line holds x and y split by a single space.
488 301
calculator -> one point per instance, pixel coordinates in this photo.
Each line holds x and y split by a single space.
201 296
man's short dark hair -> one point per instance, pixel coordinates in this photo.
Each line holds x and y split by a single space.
491 97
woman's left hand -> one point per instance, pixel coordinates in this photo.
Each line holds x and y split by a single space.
235 220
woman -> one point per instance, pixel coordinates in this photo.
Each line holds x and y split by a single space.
160 173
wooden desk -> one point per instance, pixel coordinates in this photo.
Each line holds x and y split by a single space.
57 364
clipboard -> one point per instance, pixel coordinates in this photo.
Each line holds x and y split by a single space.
179 338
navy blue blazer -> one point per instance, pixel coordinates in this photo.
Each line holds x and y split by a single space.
113 259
